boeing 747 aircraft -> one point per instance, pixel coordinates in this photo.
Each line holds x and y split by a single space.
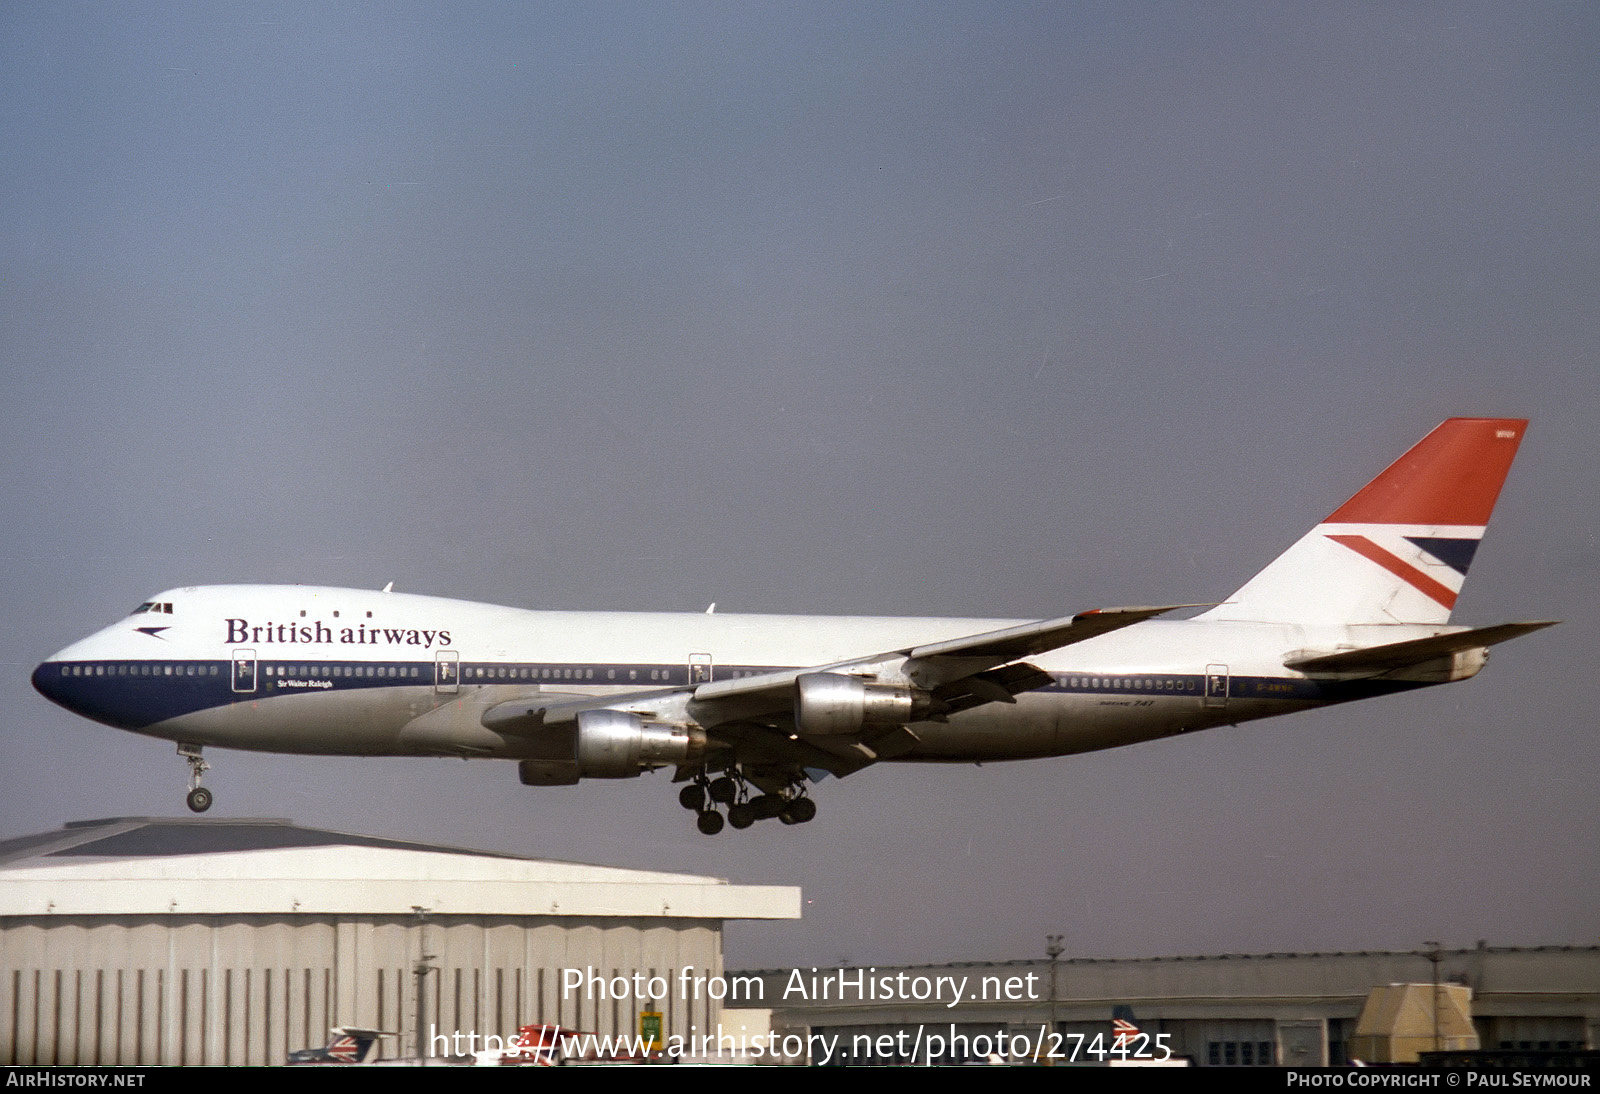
752 709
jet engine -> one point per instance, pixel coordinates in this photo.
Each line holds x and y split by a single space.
609 744
828 703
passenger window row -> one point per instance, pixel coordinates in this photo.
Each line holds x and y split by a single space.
525 672
1134 683
320 671
348 671
141 668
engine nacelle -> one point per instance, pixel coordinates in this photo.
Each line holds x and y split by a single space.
828 703
613 744
610 744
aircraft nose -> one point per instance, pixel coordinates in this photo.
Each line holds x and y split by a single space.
47 681
83 688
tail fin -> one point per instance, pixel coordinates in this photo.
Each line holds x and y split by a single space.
1398 551
1124 1029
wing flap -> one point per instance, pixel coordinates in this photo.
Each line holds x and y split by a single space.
760 746
1399 655
1000 685
529 713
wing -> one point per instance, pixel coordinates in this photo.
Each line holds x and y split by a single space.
843 716
938 664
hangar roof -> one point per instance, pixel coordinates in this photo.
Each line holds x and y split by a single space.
194 866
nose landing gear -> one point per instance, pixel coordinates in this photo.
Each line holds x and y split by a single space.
199 798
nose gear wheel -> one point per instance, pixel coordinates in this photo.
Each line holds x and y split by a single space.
199 799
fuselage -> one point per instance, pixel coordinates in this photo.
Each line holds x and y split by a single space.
328 671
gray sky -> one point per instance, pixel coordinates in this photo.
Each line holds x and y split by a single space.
995 310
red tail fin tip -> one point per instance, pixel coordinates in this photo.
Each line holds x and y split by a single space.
1450 477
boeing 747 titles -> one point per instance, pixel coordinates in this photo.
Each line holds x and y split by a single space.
751 710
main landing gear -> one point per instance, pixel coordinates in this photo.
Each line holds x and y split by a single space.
199 798
704 794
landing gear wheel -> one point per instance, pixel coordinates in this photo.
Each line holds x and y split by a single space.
709 822
742 815
724 790
693 797
798 811
199 798
767 805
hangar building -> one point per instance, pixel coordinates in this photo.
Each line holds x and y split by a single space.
1295 1009
140 940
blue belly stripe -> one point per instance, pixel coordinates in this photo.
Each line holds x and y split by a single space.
118 694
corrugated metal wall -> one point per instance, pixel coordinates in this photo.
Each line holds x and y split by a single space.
249 990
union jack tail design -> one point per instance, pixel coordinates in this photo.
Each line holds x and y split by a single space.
346 1045
1123 1032
346 1049
1398 551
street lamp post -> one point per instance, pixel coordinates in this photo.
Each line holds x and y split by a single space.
421 970
1435 955
1053 949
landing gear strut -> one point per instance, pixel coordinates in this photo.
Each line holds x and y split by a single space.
199 798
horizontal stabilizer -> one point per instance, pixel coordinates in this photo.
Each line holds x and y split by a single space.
1398 655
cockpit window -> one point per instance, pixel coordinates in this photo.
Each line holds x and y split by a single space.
146 606
152 606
